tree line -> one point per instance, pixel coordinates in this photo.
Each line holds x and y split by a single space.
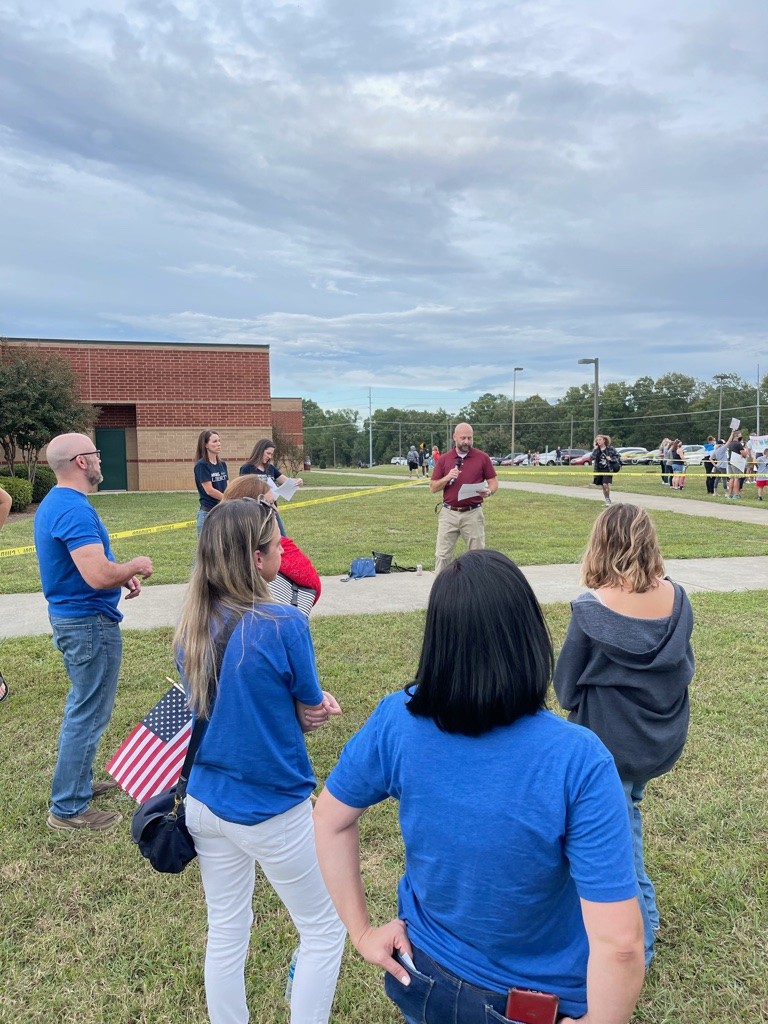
639 413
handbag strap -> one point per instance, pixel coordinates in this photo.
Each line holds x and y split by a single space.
201 724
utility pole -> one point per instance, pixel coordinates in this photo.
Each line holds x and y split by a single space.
370 430
721 378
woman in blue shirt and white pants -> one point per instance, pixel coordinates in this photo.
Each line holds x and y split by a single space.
248 798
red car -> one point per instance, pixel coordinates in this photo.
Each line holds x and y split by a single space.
583 460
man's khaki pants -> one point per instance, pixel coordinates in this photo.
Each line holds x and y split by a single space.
470 526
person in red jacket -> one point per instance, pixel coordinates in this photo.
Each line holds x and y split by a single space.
297 582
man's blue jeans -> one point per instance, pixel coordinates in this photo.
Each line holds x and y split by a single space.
92 648
435 996
634 792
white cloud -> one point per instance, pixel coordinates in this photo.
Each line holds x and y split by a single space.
470 186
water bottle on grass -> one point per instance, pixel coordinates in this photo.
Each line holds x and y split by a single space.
291 972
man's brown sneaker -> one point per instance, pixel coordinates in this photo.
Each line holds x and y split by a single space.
100 788
90 820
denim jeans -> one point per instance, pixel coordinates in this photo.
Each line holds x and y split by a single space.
634 792
435 996
92 648
201 514
284 847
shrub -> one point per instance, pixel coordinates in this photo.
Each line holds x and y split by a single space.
45 479
20 492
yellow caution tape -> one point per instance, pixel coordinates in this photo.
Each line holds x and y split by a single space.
17 551
152 529
8 552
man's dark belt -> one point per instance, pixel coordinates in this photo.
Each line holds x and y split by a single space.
461 508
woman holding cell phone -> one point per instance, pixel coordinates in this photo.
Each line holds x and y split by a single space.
518 853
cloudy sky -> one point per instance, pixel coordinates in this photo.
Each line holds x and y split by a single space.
412 197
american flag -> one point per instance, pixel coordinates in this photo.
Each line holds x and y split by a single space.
150 759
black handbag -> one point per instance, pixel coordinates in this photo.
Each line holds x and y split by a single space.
159 826
382 563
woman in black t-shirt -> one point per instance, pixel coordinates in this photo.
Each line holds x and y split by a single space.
605 459
210 474
260 463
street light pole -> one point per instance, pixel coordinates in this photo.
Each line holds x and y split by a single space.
515 371
596 416
721 378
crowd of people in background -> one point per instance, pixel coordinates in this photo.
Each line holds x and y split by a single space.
728 464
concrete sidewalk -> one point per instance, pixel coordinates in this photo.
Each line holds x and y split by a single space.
709 508
27 615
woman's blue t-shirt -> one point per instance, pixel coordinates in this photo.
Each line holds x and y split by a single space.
252 762
503 834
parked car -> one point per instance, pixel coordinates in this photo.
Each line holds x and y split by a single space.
573 453
399 460
694 454
520 459
512 460
582 460
547 458
631 455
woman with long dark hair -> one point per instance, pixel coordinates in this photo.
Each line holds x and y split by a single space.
518 854
248 798
211 474
260 462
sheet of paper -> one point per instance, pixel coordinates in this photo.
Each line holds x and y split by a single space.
738 462
735 424
471 490
286 490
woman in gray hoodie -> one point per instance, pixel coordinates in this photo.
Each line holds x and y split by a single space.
626 663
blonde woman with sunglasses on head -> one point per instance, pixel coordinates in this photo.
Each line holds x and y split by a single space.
248 797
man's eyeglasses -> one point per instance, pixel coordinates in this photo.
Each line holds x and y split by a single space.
97 452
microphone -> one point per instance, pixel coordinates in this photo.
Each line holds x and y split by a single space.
457 465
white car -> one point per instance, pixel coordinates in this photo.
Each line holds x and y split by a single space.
399 460
694 454
547 458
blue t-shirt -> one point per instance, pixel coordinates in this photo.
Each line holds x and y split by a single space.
64 522
503 833
252 763
215 473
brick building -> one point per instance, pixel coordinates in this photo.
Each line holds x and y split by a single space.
156 397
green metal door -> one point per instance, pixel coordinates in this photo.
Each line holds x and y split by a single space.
111 443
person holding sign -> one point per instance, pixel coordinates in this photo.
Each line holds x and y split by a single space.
737 461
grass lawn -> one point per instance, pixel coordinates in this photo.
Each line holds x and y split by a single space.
90 933
335 526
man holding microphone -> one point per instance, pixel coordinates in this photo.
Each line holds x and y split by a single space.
463 517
